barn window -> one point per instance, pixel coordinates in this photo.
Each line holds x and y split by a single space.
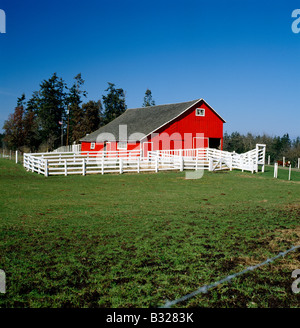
92 145
122 145
200 112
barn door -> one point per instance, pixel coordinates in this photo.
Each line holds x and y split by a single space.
215 143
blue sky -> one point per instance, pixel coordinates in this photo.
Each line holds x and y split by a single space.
240 56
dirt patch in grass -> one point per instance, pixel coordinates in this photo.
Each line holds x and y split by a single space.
276 244
283 236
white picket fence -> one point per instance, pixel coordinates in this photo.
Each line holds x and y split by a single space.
67 163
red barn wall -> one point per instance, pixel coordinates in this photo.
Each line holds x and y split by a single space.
178 134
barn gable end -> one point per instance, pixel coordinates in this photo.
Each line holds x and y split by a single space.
152 124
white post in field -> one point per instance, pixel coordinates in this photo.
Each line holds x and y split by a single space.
283 161
16 157
269 160
275 170
298 163
290 170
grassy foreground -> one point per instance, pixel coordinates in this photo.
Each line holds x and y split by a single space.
137 240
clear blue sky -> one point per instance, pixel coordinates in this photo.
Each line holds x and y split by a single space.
240 56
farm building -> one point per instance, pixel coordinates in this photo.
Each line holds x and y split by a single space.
186 125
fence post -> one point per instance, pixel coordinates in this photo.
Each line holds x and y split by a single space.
102 168
121 165
156 164
290 170
66 167
210 165
16 157
83 166
138 165
269 160
275 170
46 168
298 163
283 161
181 163
256 160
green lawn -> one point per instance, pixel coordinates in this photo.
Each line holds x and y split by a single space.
136 240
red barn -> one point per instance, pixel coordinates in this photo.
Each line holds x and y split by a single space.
187 125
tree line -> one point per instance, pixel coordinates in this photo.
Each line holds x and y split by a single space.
276 147
57 115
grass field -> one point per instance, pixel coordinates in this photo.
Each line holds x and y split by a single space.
137 240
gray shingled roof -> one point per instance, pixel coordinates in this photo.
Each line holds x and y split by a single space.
143 120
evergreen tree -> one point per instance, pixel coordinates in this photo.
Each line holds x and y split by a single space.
114 103
52 102
75 112
148 99
33 137
92 118
21 100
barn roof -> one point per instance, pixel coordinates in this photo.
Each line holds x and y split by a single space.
144 120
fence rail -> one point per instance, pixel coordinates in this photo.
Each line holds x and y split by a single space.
92 162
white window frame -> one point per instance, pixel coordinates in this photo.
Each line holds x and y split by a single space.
122 143
200 111
93 144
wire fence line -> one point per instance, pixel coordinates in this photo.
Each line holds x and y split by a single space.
204 289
